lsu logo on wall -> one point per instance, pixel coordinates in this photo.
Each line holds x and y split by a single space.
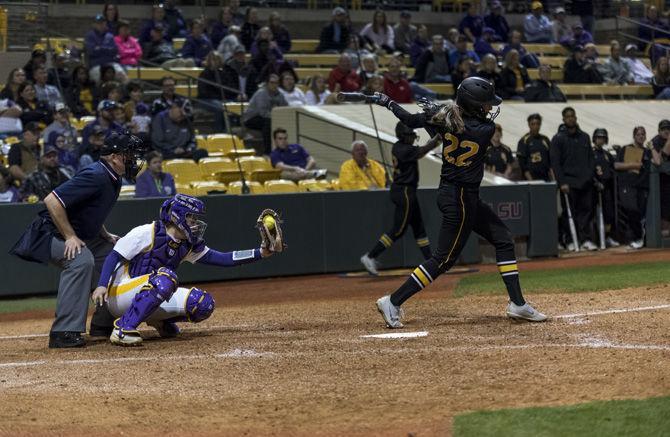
508 210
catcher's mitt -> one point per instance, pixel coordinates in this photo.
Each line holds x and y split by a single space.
269 226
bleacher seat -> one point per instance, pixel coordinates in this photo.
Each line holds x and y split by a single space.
127 191
335 184
314 185
239 153
254 187
264 175
251 163
201 141
185 189
281 186
223 143
203 188
210 166
184 171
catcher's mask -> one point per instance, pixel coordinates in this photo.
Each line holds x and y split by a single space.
130 147
185 212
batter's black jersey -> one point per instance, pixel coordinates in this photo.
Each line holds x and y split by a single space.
463 154
405 164
498 158
604 162
533 155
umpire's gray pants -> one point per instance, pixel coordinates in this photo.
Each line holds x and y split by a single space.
78 277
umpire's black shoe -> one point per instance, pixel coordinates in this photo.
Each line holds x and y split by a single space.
65 339
100 331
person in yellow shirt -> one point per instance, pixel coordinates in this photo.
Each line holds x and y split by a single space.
361 173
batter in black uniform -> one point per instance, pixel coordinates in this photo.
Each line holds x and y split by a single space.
532 151
604 164
403 195
466 128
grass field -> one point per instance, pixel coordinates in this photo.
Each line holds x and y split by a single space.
594 278
647 417
29 304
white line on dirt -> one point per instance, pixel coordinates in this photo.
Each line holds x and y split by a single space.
15 337
398 335
612 311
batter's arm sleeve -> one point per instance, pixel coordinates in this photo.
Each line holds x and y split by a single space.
108 267
229 259
412 120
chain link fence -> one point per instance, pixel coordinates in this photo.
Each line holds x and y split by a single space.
26 23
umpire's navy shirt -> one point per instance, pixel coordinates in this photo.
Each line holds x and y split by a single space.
89 197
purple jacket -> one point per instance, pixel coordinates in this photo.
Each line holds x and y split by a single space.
100 48
145 186
196 48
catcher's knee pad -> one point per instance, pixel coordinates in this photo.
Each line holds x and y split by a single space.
163 283
199 305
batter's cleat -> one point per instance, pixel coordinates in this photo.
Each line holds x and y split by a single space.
611 242
588 245
370 265
165 329
391 313
524 312
637 244
122 337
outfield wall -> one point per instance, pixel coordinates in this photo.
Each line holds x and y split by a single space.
325 232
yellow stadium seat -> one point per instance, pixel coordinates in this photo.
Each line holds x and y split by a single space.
223 143
233 154
264 175
185 189
203 188
314 185
86 119
12 140
184 171
251 163
127 191
209 166
201 141
281 186
254 187
335 184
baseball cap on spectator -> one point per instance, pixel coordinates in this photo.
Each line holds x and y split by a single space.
32 127
578 48
559 10
630 47
48 149
234 29
107 105
61 107
339 11
158 26
98 131
99 18
664 124
536 5
488 30
495 4
405 14
577 26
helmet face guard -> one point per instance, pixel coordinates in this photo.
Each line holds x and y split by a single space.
186 213
131 148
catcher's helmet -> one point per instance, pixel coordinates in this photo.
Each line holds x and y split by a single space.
405 133
600 132
475 92
179 209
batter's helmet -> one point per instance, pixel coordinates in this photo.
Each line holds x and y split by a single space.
473 93
404 133
600 132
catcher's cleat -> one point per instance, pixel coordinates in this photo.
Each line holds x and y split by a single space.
165 329
123 337
391 313
370 265
524 312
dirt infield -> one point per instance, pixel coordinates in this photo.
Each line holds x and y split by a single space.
286 357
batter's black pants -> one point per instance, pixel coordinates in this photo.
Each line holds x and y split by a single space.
407 213
583 212
462 213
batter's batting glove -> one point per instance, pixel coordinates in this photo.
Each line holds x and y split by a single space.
381 99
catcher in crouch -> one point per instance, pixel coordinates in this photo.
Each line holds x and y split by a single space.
138 279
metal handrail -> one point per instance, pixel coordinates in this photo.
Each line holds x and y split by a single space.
638 23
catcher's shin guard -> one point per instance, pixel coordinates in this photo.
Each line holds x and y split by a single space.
199 305
160 288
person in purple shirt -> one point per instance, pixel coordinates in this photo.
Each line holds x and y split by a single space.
497 21
292 159
483 45
153 182
101 49
157 16
460 52
472 24
197 45
580 37
528 60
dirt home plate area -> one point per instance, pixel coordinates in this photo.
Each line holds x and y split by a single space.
304 356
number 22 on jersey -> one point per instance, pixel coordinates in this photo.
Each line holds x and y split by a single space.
451 144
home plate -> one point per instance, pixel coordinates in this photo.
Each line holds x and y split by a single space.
398 335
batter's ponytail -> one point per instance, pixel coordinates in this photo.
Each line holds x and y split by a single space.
450 115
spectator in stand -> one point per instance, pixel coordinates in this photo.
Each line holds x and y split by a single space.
111 13
404 33
419 45
633 166
140 124
91 152
154 182
361 173
157 18
172 133
38 57
584 9
464 69
62 126
374 84
488 69
532 152
318 92
334 36
378 35
591 53
259 111
560 30
32 109
211 96
615 70
580 37
175 20
433 64
483 44
461 51
250 28
10 118
45 93
544 89
230 42
111 90
60 74
395 84
265 34
355 51
220 28
572 161
105 120
266 62
292 159
8 192
129 49
343 78
101 49
661 80
513 78
497 21
646 33
641 73
451 41
197 44
238 17
279 32
161 52
81 97
167 97
24 156
499 157
536 25
48 175
293 95
368 67
529 60
604 176
239 77
11 90
472 24
135 94
578 70
660 151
